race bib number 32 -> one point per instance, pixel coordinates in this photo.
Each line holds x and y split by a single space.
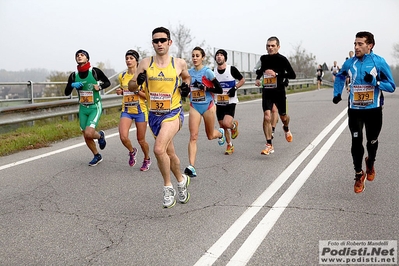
160 102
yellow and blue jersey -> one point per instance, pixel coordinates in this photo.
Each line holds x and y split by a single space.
131 103
162 88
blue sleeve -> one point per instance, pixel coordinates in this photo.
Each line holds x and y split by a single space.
209 74
340 78
385 75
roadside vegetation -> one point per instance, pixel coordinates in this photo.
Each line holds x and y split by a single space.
44 133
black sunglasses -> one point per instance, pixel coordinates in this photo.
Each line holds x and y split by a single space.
162 40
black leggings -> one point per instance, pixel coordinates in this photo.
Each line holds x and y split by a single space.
371 119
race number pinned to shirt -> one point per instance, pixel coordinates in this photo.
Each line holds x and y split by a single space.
363 95
130 98
160 102
269 82
86 97
223 99
197 95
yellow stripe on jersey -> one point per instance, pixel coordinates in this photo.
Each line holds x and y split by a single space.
129 98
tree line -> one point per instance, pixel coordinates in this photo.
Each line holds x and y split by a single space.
303 62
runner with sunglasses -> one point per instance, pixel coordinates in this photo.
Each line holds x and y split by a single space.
370 75
161 74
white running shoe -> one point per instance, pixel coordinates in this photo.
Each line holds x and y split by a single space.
184 195
169 197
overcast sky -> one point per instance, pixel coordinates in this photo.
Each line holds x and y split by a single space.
47 33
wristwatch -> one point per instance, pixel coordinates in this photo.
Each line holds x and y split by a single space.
378 83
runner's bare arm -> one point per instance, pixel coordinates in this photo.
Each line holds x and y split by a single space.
143 65
184 72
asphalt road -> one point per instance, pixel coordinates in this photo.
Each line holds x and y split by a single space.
245 209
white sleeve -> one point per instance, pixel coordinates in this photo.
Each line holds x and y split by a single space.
258 65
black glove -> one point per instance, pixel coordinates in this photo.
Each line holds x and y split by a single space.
184 89
369 78
217 88
232 92
285 82
198 85
141 78
337 98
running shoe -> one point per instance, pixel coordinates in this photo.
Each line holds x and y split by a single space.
169 197
234 132
288 135
96 160
268 150
370 173
146 165
101 141
190 171
184 195
359 182
132 157
221 140
230 149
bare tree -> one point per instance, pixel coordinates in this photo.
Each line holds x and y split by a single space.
395 68
182 39
100 65
209 57
143 53
56 89
396 50
303 62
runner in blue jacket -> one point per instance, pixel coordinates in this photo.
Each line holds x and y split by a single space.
370 75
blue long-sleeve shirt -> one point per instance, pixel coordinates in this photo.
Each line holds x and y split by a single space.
365 95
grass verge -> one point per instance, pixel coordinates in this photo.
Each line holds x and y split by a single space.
44 133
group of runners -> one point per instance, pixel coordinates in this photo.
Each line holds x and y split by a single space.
153 88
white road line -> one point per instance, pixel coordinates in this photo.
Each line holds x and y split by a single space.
255 239
55 152
67 149
51 153
214 252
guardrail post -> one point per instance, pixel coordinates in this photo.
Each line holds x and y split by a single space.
30 89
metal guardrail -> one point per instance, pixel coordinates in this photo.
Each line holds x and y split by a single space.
30 86
36 111
249 86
